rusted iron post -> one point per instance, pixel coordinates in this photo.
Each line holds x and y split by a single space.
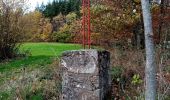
86 24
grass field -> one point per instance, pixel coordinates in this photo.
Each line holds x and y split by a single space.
33 77
38 54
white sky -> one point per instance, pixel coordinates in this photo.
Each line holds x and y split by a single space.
33 3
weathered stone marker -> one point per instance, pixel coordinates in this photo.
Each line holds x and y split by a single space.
85 75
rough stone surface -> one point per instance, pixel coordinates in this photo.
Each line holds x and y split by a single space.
85 75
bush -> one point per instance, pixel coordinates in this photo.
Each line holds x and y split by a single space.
11 28
63 37
64 34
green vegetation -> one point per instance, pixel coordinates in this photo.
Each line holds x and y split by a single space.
63 37
48 49
30 71
38 54
32 76
62 6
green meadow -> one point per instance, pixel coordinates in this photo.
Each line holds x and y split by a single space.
34 73
37 54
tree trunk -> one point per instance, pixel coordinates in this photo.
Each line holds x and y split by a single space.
150 69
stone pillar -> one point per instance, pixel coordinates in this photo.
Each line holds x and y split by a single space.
85 75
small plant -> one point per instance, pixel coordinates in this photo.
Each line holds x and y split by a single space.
4 95
136 79
116 73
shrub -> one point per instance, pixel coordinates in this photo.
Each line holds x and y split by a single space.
63 37
11 27
64 34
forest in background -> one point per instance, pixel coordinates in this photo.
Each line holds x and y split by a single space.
120 22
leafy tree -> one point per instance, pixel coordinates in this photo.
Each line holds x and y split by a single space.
114 20
37 28
11 27
63 35
32 25
43 31
70 31
71 17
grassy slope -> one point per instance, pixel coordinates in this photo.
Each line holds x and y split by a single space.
40 54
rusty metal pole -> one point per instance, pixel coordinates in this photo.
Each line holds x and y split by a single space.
83 23
86 27
89 26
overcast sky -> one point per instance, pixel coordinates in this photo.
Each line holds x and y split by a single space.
33 3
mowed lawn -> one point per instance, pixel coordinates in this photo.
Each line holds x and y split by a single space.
38 54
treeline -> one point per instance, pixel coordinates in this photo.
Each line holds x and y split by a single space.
114 22
59 6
